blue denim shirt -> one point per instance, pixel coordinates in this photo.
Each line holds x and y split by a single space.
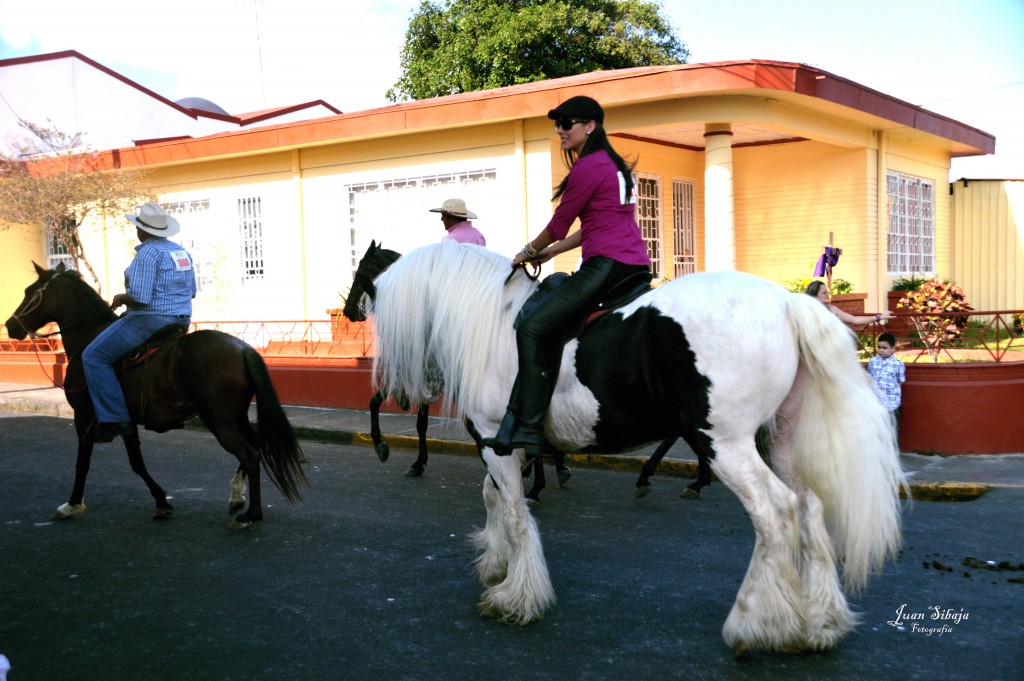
161 277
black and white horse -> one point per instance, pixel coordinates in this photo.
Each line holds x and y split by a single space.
716 357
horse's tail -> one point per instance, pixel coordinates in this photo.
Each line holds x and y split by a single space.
279 448
844 444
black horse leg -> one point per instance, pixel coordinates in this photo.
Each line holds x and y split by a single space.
134 448
422 418
539 480
75 503
379 446
643 485
564 472
692 490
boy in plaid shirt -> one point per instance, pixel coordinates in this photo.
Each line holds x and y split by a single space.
888 372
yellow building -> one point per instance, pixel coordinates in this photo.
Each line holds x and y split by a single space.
747 165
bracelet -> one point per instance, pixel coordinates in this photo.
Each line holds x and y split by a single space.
529 250
878 317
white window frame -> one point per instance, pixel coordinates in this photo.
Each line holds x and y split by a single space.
408 195
684 230
648 216
56 252
250 229
911 213
194 214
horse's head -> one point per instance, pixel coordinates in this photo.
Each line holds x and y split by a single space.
374 261
55 297
36 308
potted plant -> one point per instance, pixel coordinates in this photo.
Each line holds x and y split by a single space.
939 297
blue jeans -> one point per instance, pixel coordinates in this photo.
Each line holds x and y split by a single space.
112 344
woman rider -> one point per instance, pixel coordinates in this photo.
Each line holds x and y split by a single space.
599 190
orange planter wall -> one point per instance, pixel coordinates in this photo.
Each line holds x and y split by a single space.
963 408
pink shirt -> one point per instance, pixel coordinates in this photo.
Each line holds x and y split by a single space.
465 233
596 195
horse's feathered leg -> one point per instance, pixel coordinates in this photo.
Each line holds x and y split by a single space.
422 419
134 448
379 445
768 611
511 538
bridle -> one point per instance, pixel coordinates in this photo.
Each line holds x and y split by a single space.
30 306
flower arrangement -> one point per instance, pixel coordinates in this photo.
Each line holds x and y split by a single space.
940 297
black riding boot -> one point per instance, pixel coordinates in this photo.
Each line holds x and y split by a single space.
523 425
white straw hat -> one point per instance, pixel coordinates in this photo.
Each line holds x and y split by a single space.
456 207
153 219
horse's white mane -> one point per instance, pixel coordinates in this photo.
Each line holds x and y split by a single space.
446 305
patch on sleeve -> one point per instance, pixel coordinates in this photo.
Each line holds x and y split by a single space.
182 263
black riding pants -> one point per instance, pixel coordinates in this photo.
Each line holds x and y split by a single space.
540 334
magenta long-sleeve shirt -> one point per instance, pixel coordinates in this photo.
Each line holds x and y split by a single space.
596 194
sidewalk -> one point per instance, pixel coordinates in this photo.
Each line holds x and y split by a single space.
932 478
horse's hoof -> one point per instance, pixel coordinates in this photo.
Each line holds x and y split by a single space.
235 507
163 513
563 476
642 491
741 651
239 524
65 511
414 472
690 493
383 451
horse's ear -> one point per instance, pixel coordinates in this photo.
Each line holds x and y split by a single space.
39 270
60 267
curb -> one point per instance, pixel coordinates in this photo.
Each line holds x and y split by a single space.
627 463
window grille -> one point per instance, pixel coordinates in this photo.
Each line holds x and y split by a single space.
56 251
911 215
648 216
685 258
194 218
392 210
250 224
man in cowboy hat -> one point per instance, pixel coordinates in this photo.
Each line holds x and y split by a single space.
159 287
455 217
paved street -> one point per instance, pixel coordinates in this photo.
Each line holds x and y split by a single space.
370 577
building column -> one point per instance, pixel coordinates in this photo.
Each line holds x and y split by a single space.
719 225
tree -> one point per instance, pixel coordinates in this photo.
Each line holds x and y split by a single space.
54 182
469 45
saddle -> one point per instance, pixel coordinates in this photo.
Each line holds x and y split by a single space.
161 338
623 293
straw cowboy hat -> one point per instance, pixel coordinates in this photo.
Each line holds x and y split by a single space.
154 220
456 208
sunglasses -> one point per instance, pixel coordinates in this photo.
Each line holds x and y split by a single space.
566 123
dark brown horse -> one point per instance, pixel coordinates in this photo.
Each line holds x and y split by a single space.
205 373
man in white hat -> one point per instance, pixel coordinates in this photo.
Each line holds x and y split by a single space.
159 286
456 220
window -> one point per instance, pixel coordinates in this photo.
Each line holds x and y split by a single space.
685 259
194 218
911 225
648 216
250 225
56 251
392 210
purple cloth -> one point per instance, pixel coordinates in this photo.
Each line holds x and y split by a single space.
595 194
827 261
465 233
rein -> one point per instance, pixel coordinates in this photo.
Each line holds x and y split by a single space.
533 274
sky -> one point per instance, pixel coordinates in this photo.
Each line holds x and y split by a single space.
961 60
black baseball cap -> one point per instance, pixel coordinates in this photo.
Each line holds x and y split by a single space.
578 107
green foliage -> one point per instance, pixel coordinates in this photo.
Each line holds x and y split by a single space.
935 296
839 286
455 46
911 283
